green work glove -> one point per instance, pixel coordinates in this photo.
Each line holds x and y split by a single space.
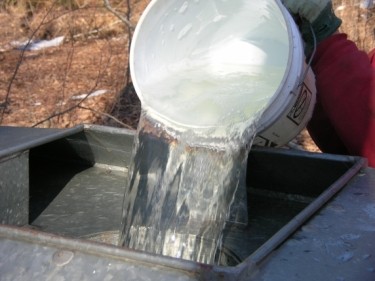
316 20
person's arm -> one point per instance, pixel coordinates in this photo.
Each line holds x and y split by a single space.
345 80
344 116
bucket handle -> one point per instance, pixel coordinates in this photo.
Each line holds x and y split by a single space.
311 57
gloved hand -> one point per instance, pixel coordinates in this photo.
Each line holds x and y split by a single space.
315 19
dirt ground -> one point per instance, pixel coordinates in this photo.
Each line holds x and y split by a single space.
86 79
81 81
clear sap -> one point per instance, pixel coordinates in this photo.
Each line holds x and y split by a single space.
179 195
206 70
182 181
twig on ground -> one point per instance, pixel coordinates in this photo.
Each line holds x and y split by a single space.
95 31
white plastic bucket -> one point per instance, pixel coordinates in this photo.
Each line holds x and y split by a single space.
258 35
294 102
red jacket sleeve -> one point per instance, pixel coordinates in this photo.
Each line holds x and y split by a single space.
344 117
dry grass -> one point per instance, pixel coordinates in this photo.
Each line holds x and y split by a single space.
39 88
74 19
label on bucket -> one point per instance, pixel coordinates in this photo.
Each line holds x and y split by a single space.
301 106
292 120
263 141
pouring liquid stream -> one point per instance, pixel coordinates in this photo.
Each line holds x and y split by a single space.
202 97
182 183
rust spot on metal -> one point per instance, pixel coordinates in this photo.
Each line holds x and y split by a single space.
62 257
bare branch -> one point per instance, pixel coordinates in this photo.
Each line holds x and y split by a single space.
5 103
106 115
108 6
57 114
66 71
62 107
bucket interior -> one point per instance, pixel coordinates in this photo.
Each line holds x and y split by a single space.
204 64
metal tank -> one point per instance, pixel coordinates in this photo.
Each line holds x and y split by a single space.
311 216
